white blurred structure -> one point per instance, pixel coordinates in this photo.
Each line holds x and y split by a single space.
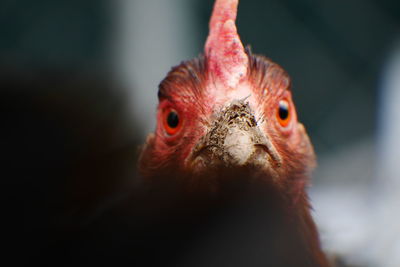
152 36
387 247
357 207
343 208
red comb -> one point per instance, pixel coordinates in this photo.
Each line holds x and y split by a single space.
226 58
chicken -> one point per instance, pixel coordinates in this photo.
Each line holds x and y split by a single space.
222 181
228 143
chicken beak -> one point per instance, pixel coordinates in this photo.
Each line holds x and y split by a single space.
235 139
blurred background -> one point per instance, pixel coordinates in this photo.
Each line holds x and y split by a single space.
78 95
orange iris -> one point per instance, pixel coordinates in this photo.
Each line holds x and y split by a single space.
283 113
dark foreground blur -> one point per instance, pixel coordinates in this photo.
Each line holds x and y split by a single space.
68 153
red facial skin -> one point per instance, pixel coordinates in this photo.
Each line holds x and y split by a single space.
186 90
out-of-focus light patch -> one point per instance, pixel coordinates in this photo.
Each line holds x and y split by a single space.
358 197
344 230
342 202
152 36
387 234
389 122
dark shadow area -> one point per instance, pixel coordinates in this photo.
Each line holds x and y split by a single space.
68 153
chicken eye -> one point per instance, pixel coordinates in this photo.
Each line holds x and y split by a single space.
283 113
172 122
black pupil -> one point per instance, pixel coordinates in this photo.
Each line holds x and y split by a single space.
173 119
283 111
